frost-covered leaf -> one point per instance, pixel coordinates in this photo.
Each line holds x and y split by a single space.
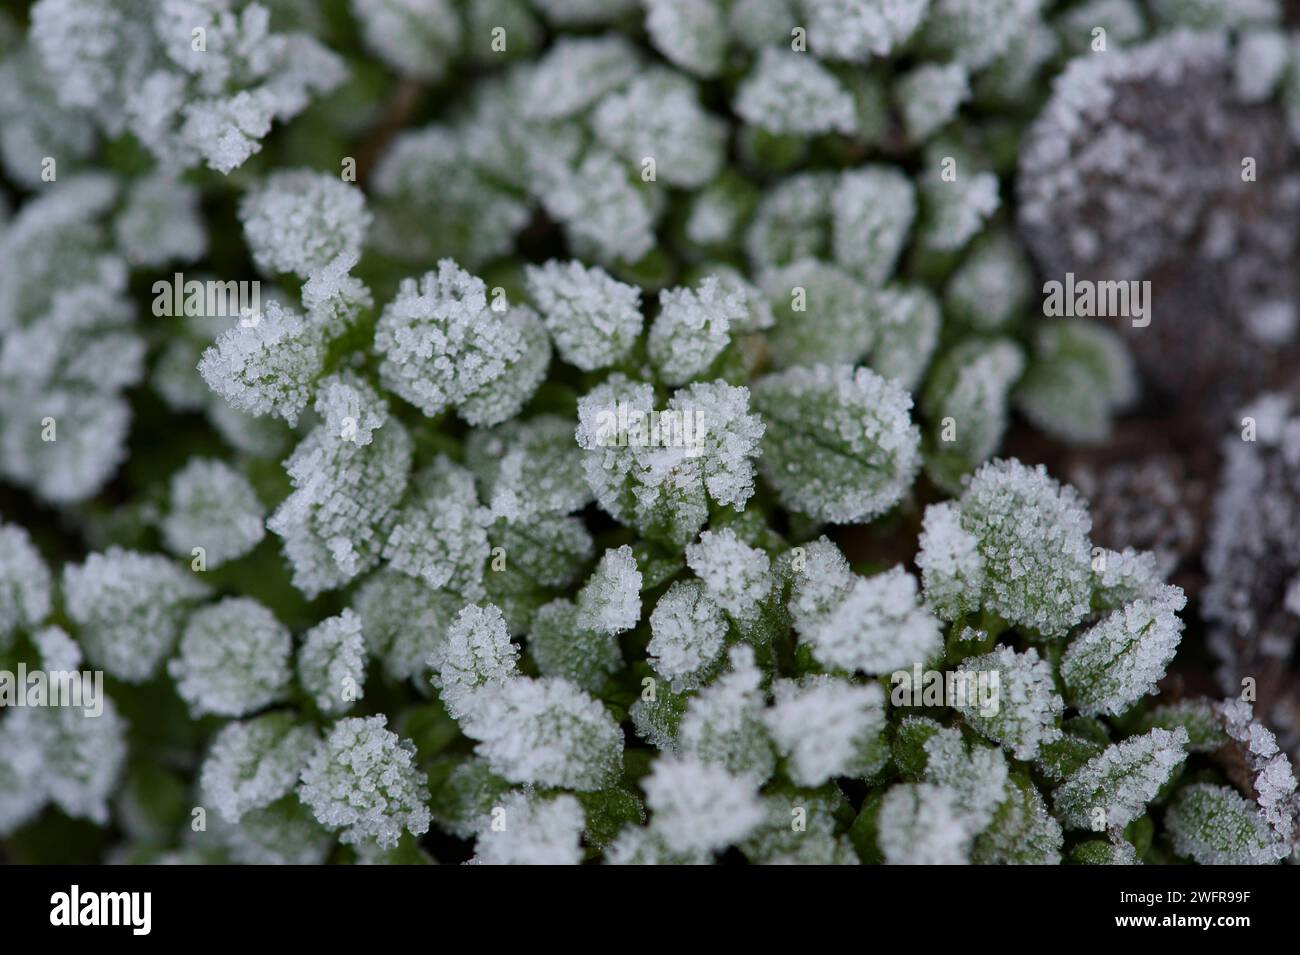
443 346
362 779
1116 662
827 727
840 445
213 507
233 658
1025 710
332 662
128 608
1114 788
593 319
252 763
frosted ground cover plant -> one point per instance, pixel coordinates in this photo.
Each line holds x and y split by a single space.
553 432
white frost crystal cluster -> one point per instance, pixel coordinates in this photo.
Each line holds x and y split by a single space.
839 444
744 573
212 507
128 608
1030 560
443 346
233 658
142 67
362 779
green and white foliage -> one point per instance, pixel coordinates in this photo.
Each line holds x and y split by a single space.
610 601
736 576
595 610
362 779
333 524
531 830
993 284
664 490
267 363
1216 825
691 34
62 755
332 662
922 824
1028 707
1031 557
253 763
688 632
440 534
977 32
159 222
414 37
693 327
952 569
1115 787
1113 664
213 507
658 116
872 209
1079 375
135 67
723 722
545 732
843 30
821 314
874 625
957 197
233 658
593 319
929 97
477 654
789 93
1006 813
69 345
404 622
128 608
699 807
826 727
478 215
789 223
840 445
25 584
907 331
966 400
562 646
443 347
528 468
300 221
1272 778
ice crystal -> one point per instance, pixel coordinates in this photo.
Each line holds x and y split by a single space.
827 727
332 662
443 346
128 608
214 508
1114 788
593 319
233 658
362 779
252 763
